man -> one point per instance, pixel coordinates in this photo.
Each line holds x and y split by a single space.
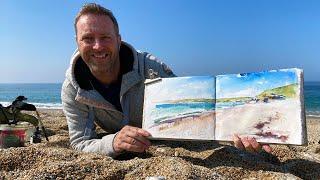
105 85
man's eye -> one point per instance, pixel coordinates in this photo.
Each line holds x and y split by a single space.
105 37
87 39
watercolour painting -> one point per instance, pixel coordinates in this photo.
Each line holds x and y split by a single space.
180 108
265 105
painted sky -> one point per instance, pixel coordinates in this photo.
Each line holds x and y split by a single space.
181 88
193 37
252 84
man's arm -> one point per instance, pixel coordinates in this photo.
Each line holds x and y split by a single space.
77 115
155 68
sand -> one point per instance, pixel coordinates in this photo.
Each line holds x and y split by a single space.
170 159
279 117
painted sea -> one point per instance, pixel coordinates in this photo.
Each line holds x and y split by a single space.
171 110
48 96
180 108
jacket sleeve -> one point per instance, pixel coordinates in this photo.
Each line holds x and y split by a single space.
155 68
81 125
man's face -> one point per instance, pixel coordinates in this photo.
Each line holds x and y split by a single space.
98 43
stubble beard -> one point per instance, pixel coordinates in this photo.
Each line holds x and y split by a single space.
108 70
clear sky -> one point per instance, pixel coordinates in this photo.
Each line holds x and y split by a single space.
252 84
182 88
193 37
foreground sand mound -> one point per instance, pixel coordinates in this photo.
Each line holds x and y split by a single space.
173 160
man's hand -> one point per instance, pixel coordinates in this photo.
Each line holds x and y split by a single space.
131 139
249 144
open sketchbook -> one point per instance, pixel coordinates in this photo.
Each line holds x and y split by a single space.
266 105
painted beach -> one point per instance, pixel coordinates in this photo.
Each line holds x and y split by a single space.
184 121
180 108
264 105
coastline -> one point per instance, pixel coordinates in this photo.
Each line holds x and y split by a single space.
200 126
313 117
172 159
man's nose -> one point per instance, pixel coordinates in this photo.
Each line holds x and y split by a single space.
98 44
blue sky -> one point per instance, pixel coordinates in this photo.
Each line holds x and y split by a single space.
193 37
181 88
252 84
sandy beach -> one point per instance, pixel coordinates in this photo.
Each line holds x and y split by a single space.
200 126
170 159
281 118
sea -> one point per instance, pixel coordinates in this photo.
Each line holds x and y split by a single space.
169 111
42 95
48 96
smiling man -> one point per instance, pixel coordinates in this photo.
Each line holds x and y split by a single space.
104 86
99 43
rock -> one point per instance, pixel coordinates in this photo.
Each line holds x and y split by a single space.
156 178
160 150
176 153
317 150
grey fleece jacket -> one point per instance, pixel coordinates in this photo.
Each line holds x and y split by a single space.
84 109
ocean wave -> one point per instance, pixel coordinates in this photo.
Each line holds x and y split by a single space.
312 112
313 116
39 105
5 103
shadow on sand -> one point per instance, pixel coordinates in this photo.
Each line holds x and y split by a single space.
231 157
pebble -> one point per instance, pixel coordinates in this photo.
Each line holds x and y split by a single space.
156 178
56 160
160 150
176 153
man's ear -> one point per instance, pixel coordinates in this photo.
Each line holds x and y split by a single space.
119 40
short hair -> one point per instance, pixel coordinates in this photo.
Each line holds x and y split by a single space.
93 8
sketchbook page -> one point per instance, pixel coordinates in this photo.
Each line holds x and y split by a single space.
180 108
264 105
